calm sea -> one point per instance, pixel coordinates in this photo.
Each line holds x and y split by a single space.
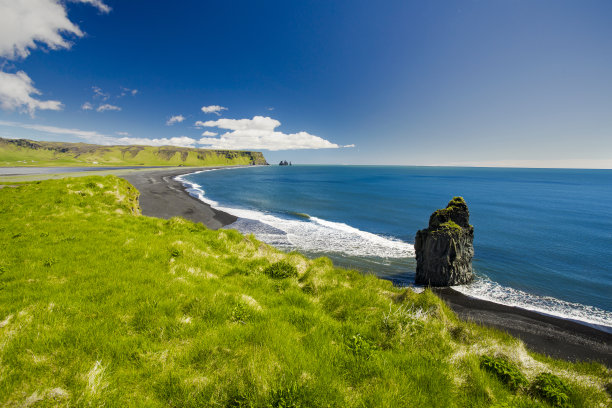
543 237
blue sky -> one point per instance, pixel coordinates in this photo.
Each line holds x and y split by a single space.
510 83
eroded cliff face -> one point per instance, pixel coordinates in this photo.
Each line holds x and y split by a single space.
445 249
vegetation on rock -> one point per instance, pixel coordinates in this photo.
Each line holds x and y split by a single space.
444 250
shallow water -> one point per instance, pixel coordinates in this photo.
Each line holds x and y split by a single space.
542 236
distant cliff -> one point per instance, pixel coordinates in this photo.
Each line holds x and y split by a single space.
444 250
24 152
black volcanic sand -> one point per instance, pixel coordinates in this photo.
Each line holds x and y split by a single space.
558 338
163 197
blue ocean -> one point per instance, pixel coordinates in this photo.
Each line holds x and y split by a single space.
543 237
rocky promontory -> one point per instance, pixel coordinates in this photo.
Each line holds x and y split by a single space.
445 249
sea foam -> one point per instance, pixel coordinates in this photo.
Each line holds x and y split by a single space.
486 289
312 234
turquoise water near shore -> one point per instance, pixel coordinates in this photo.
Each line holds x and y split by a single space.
543 237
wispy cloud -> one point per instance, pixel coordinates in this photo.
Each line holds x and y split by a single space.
128 91
216 109
100 138
16 93
107 107
175 119
87 106
96 3
99 94
259 133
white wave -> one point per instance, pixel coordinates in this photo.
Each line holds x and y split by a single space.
314 235
317 235
486 289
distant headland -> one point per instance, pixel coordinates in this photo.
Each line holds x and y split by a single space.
24 152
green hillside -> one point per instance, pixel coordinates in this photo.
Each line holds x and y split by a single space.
100 306
24 152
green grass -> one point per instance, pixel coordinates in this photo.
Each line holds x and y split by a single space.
102 306
505 371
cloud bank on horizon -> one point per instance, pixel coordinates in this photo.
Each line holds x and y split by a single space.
250 134
27 25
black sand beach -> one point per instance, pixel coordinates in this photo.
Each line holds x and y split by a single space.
558 338
162 196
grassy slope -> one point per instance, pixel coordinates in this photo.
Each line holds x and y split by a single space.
33 153
99 305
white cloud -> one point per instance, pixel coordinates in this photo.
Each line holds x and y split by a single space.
259 133
349 145
258 122
99 94
100 138
26 24
216 109
259 138
87 106
209 133
108 107
175 119
181 141
16 92
122 133
96 3
125 91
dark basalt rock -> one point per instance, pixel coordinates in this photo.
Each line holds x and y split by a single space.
445 249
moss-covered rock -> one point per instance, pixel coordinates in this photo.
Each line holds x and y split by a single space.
445 249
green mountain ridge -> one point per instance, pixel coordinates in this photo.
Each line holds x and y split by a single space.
25 152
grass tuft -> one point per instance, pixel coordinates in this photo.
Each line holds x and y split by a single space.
551 389
281 270
505 371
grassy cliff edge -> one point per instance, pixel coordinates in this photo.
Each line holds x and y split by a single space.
102 306
24 152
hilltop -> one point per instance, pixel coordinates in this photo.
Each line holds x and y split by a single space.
24 152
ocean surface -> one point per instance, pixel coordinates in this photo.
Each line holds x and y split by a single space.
543 237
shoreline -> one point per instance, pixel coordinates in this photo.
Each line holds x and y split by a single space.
550 335
163 197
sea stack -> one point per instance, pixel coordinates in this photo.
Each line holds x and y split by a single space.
445 249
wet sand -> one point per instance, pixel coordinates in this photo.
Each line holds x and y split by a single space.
555 337
163 197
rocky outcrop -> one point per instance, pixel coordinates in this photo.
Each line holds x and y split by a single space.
445 249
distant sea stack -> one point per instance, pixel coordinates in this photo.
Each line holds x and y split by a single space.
445 249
